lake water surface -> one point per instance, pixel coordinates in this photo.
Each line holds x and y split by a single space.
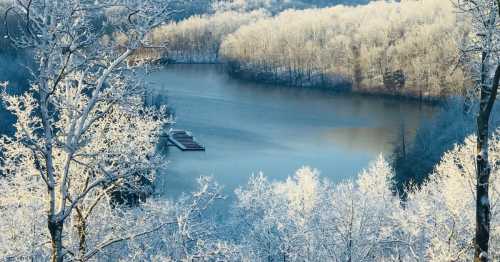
249 128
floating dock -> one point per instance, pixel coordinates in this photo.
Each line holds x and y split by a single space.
184 141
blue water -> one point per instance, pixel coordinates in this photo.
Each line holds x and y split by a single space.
249 128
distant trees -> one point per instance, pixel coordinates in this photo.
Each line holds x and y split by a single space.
404 47
408 47
279 5
198 38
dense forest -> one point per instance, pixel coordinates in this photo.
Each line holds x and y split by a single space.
406 48
81 152
199 38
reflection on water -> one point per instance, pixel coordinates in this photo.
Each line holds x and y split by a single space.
247 128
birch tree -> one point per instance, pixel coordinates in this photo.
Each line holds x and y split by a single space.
82 130
484 56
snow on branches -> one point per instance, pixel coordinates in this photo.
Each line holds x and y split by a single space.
82 130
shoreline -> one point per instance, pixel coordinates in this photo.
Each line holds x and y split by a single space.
341 88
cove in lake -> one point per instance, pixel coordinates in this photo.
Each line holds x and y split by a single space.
248 127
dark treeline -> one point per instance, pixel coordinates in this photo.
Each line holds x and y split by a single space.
413 161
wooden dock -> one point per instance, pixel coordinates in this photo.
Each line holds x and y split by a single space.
184 141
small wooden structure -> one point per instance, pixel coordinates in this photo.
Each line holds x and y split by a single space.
184 141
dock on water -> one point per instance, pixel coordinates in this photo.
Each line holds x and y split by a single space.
184 141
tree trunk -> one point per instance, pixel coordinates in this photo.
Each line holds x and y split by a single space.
482 199
483 212
358 72
81 227
55 229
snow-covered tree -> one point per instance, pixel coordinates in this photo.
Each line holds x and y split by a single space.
407 47
82 131
198 38
483 55
180 230
439 217
156 230
305 219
